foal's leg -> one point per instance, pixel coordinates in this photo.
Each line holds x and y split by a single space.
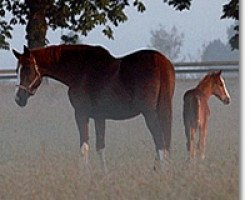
100 141
202 140
187 133
153 125
192 143
82 124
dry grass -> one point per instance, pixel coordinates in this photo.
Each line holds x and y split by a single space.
39 153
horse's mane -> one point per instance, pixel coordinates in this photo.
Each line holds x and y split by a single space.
53 54
206 78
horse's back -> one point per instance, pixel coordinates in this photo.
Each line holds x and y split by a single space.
144 73
145 61
145 65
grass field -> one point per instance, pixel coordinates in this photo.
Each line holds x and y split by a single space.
39 153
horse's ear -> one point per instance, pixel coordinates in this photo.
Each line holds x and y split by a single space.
26 51
215 73
218 72
17 55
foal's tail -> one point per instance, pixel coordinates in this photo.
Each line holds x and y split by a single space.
166 93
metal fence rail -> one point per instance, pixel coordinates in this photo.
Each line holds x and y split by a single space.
195 70
207 63
184 69
201 67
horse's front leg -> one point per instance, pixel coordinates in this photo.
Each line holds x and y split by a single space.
100 141
82 122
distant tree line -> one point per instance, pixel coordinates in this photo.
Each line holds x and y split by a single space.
170 42
216 50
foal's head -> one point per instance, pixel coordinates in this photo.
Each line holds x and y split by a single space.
29 76
219 88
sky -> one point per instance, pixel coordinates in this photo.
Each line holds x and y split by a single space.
200 25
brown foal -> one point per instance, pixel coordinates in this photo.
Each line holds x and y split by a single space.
196 110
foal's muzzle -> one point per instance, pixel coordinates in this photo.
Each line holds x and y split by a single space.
227 100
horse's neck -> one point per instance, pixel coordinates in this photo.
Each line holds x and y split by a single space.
50 68
205 88
59 75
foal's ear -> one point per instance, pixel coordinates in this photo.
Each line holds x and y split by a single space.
17 55
26 51
219 73
216 73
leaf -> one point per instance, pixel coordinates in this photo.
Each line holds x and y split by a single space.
231 10
140 6
180 4
3 44
2 13
13 21
108 32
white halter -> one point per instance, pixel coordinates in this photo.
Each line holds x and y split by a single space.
38 76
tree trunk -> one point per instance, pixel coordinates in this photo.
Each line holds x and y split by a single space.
36 28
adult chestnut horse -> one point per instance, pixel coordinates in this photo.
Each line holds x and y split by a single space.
196 110
104 87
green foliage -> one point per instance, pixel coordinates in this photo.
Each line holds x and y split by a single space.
5 28
80 16
231 10
108 32
77 16
71 38
179 4
3 43
140 6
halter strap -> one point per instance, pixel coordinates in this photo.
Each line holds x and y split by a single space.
37 77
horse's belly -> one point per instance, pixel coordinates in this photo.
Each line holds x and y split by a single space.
115 112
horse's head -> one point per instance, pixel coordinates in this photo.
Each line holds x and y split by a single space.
219 87
28 74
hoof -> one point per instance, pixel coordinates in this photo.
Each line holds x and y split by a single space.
85 152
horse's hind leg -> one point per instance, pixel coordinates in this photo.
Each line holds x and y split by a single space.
153 125
202 141
190 135
100 142
165 119
192 143
187 133
82 124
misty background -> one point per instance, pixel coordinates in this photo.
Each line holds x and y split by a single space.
200 28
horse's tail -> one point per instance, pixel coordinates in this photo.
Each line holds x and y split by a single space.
164 108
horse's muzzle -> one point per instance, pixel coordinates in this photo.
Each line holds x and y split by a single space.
20 102
21 98
226 101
